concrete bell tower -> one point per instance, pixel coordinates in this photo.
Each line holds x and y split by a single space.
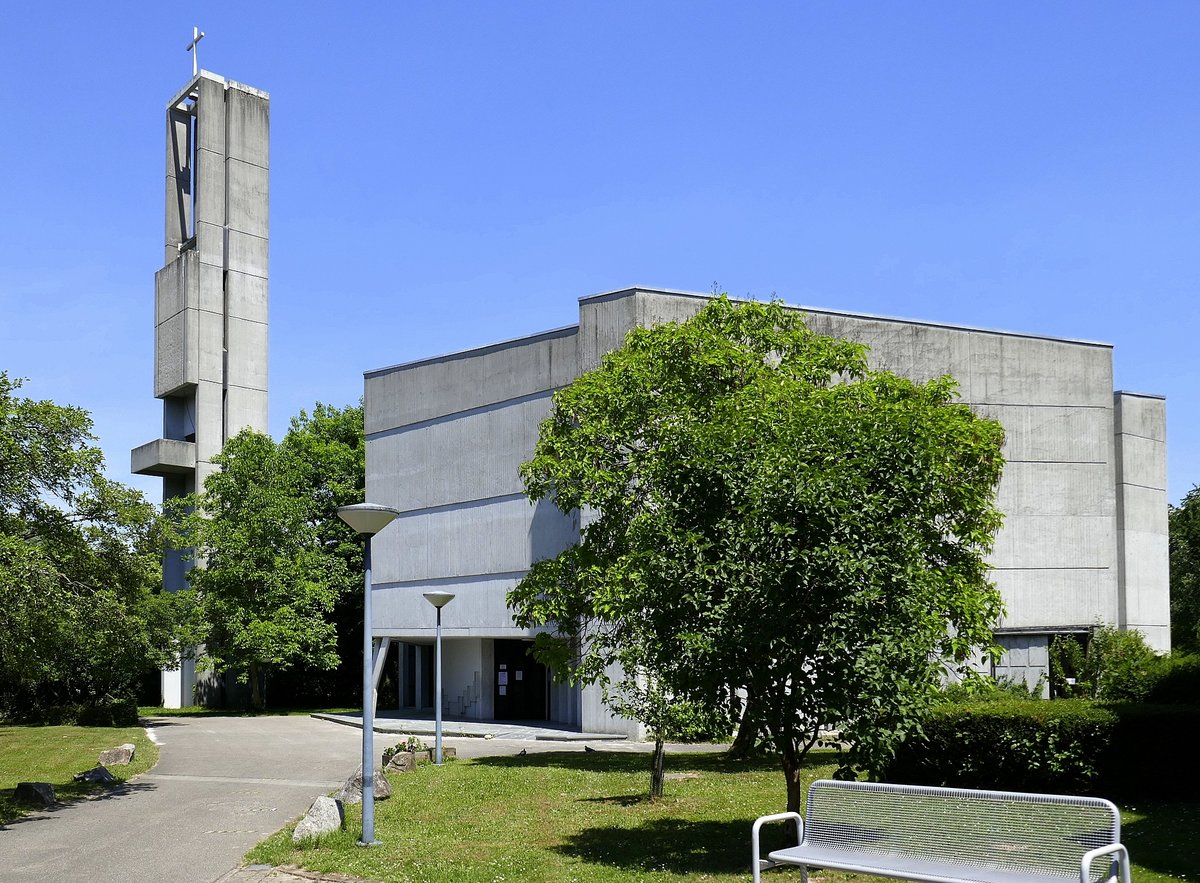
210 297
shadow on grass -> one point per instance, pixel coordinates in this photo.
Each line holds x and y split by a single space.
70 795
635 762
673 845
1166 838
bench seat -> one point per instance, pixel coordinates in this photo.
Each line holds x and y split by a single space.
906 867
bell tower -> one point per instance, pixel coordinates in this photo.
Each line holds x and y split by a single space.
210 297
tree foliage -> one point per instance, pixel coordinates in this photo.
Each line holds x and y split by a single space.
82 616
768 517
274 558
1184 528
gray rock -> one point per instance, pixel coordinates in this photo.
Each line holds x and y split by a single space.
120 754
37 793
98 775
325 816
352 791
402 762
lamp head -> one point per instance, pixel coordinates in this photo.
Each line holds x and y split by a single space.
367 519
439 599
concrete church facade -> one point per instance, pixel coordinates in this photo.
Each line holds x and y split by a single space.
1084 493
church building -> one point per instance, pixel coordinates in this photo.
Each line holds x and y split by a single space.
1084 493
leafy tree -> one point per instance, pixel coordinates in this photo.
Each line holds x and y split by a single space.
1183 523
327 449
766 516
83 615
279 569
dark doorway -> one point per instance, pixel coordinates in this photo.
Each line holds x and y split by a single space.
520 682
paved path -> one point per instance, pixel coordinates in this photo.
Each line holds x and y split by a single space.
221 785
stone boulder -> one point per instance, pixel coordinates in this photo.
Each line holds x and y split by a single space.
40 794
96 775
352 791
120 754
325 816
402 762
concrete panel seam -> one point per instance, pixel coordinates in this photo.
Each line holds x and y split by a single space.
461 504
1149 438
1145 487
1094 567
1061 462
247 162
450 580
485 408
552 334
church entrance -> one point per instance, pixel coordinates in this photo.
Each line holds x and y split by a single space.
520 683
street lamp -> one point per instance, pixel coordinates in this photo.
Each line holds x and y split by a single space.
366 520
438 600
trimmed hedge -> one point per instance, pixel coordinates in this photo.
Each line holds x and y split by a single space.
1176 681
101 713
1124 750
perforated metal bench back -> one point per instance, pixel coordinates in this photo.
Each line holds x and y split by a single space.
999 829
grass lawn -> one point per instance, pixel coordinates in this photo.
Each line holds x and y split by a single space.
55 754
582 817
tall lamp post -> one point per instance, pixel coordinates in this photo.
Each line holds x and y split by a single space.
367 519
438 600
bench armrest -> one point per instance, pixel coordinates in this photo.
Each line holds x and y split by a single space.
1085 864
756 862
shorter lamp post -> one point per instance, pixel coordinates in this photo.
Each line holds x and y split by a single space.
438 600
366 520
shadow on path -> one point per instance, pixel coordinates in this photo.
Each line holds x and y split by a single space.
69 801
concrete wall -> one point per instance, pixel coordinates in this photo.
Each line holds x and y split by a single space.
1141 457
210 300
1083 489
444 440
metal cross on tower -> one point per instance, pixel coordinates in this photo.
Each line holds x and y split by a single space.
197 36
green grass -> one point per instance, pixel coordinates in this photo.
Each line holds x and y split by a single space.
583 817
55 754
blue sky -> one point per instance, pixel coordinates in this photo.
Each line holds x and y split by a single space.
445 175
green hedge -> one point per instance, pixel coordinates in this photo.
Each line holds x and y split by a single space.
1121 750
101 713
1176 681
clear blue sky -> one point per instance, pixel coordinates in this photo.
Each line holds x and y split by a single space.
445 175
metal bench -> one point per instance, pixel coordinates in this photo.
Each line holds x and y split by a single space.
951 835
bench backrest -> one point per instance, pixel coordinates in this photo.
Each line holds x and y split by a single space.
1046 832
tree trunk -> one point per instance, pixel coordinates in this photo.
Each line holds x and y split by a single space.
747 732
656 770
256 701
792 761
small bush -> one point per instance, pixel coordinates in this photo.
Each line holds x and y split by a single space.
989 689
1117 666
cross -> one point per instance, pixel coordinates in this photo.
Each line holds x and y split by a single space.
197 36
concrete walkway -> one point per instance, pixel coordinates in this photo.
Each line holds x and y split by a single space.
396 722
221 785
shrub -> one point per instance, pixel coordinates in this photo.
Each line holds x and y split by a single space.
1117 666
408 743
989 689
1015 745
1177 681
106 712
1127 750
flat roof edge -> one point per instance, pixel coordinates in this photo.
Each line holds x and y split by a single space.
826 311
1140 395
564 331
